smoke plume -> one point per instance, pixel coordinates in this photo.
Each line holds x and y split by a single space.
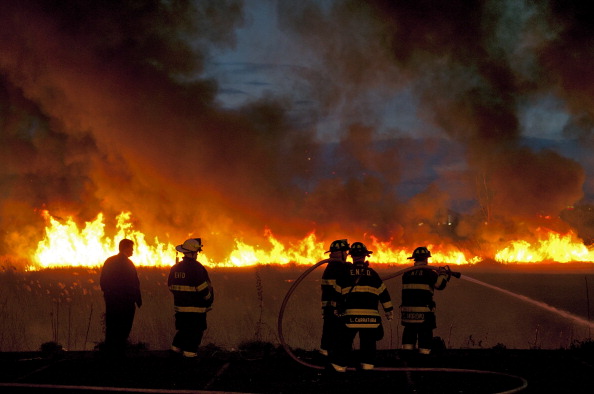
106 107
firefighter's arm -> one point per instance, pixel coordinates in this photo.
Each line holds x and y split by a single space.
445 272
386 302
211 295
338 302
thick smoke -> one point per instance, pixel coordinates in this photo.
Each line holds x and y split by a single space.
473 65
104 107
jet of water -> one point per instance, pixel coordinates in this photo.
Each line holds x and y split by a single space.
529 300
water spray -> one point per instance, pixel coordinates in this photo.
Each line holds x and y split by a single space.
539 304
523 382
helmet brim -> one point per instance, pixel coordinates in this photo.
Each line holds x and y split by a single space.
181 249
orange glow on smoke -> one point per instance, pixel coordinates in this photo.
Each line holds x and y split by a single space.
67 245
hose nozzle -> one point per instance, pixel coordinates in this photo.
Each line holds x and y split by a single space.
447 270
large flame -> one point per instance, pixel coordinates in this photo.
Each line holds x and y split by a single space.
65 244
551 247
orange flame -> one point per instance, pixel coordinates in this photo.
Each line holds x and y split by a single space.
553 247
67 245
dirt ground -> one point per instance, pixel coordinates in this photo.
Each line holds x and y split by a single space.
267 369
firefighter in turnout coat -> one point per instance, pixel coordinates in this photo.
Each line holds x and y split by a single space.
193 296
362 290
418 308
336 264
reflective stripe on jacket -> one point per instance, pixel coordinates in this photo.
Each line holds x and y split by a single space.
362 290
190 284
330 290
418 287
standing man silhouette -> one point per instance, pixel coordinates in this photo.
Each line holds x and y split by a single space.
121 291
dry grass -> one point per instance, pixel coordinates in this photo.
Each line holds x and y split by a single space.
66 306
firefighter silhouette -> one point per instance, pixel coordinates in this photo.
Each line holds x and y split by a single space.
193 296
361 291
418 307
337 263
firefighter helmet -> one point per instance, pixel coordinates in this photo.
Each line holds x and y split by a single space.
340 245
190 245
359 249
420 253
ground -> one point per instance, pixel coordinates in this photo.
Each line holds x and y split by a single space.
263 368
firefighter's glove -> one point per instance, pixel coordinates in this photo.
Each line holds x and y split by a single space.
390 315
446 271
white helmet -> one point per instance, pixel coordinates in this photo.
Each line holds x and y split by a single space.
190 245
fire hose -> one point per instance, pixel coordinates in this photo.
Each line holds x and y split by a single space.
523 382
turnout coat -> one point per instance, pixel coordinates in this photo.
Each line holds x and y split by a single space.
418 287
191 287
362 290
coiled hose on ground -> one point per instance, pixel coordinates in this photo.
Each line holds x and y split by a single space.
523 382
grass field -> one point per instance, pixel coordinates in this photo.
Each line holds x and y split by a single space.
66 306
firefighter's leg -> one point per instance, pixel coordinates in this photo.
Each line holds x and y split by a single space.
368 343
196 324
179 340
425 339
344 344
330 330
192 343
426 333
409 336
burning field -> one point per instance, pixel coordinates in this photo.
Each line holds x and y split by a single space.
462 126
128 109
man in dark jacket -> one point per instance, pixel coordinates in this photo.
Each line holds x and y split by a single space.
336 264
121 291
418 308
193 296
362 290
